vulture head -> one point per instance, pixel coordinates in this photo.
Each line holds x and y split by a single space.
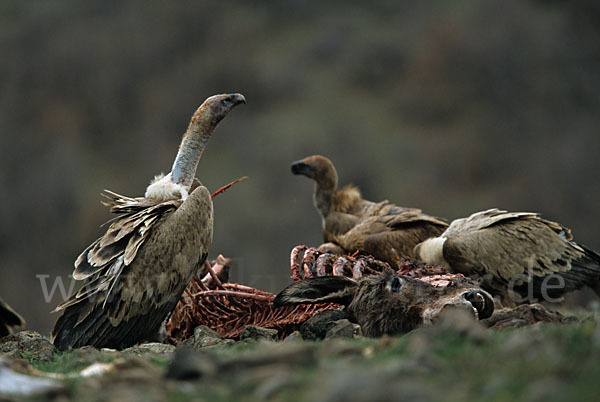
318 168
218 106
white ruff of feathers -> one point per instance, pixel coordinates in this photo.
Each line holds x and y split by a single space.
432 251
162 188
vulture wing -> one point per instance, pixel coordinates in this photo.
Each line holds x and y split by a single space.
338 223
9 318
502 246
122 304
485 219
105 259
392 236
125 235
384 208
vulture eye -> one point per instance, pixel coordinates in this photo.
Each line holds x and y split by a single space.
225 102
395 285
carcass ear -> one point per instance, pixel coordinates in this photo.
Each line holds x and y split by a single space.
327 289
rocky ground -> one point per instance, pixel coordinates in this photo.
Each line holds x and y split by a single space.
455 359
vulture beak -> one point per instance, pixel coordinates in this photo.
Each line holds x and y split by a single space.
299 167
237 99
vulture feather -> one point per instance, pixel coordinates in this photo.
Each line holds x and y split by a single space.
9 318
136 272
517 256
382 229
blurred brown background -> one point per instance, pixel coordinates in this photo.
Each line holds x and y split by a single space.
453 107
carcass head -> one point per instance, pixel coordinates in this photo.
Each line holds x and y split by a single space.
390 303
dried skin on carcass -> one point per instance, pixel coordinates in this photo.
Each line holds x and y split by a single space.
229 307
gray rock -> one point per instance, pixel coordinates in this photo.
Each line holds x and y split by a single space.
340 329
152 347
27 344
226 342
203 337
204 331
251 332
316 327
293 337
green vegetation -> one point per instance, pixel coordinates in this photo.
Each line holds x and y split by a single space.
543 362
70 361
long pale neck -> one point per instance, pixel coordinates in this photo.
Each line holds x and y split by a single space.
190 150
323 195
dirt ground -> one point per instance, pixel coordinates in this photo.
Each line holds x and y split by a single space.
453 360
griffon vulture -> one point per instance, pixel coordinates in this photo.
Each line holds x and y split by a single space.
381 229
135 273
516 255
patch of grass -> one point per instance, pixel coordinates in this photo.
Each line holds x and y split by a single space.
162 362
544 361
73 360
557 360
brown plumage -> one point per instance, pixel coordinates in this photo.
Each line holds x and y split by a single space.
382 229
9 318
516 255
135 273
389 303
391 237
